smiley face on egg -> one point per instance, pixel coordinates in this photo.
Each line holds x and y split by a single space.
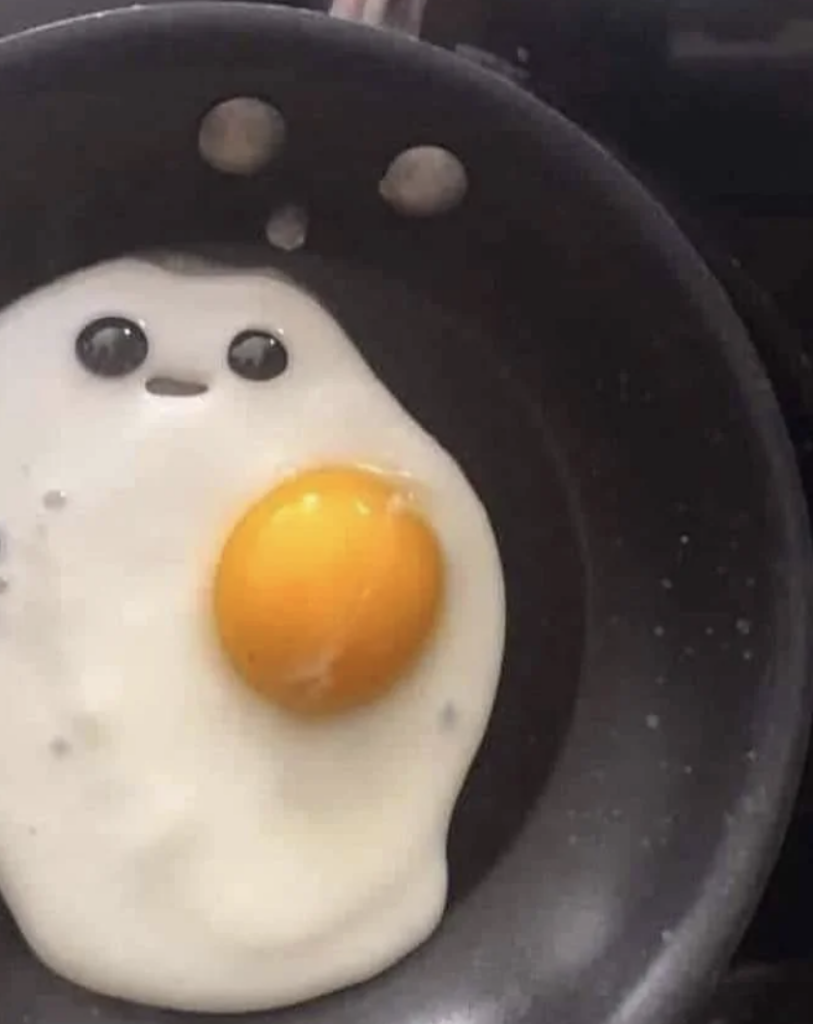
251 627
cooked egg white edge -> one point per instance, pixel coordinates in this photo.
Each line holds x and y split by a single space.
195 848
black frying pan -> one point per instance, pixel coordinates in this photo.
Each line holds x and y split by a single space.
562 339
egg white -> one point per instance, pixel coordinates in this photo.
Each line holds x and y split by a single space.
165 835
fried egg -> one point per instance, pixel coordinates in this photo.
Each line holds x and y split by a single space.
251 628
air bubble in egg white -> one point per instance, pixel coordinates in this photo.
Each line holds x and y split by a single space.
653 721
659 631
685 539
666 583
448 717
54 500
747 655
59 747
241 136
424 181
744 627
287 227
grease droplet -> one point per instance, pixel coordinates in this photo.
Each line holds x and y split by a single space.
287 227
424 181
241 135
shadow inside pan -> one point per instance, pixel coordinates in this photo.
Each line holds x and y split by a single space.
450 371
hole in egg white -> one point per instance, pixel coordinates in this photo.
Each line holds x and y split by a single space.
174 387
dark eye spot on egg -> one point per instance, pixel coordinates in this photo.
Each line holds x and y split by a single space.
4 585
111 346
257 355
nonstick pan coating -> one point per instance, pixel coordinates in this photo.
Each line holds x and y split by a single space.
563 340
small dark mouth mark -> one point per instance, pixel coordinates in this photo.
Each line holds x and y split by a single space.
172 387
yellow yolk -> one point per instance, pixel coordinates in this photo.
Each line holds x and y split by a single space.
328 589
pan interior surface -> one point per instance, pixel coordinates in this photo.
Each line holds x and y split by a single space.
557 335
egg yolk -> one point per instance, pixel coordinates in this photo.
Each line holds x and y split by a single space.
328 590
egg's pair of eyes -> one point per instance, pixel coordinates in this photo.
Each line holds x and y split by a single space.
114 346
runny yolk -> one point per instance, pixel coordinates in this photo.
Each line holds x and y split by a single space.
328 590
